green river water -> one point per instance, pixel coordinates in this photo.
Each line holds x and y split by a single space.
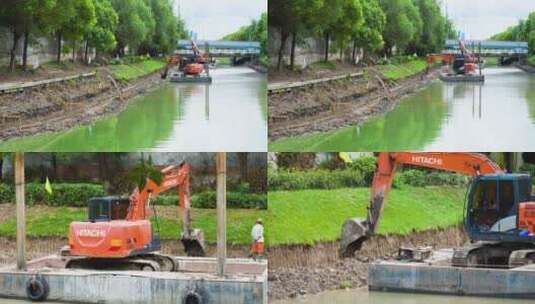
498 115
365 297
228 115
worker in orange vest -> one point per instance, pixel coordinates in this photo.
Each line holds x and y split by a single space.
257 249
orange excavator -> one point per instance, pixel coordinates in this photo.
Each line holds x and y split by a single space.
499 209
118 234
190 67
464 63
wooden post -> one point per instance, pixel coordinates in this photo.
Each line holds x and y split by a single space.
21 220
221 164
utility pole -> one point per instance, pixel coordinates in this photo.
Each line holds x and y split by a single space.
21 219
221 164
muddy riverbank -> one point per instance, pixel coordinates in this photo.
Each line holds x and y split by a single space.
63 105
337 104
301 270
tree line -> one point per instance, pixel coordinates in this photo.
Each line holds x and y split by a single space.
523 31
255 31
378 27
109 26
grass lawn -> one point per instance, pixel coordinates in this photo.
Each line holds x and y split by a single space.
135 70
308 216
54 221
398 71
293 217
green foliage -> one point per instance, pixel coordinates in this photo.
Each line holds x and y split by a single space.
72 195
430 38
235 200
366 167
144 171
166 30
256 31
127 72
403 23
101 35
314 179
135 23
523 31
369 35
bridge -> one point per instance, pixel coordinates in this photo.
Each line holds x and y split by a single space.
220 48
489 47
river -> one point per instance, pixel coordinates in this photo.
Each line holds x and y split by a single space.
228 115
498 115
365 297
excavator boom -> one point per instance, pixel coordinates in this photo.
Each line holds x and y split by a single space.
355 231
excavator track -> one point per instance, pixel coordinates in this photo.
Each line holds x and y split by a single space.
146 262
493 255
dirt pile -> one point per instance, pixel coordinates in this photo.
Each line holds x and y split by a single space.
298 270
337 104
60 106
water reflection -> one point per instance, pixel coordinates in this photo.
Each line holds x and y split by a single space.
229 114
495 116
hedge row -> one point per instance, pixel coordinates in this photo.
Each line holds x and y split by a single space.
208 199
77 195
73 195
355 177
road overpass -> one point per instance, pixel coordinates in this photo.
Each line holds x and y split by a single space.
221 48
489 47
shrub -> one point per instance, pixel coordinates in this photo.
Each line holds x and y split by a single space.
366 167
235 200
72 195
314 179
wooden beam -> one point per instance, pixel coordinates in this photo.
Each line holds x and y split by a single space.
21 219
221 164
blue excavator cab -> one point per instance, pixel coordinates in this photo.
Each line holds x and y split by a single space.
492 208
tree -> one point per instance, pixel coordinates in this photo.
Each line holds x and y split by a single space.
350 20
164 34
328 16
135 24
101 34
280 17
402 24
19 16
432 35
369 36
68 20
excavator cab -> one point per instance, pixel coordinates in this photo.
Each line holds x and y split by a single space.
493 208
103 209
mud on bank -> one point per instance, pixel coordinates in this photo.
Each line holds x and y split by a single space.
337 104
300 270
63 105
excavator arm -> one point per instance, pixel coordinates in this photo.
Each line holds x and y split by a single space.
175 177
356 231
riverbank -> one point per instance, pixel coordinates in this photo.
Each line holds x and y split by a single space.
333 105
64 105
300 270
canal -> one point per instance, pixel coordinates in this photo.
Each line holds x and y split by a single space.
498 115
365 297
228 115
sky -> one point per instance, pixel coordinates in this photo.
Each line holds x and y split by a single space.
480 19
213 19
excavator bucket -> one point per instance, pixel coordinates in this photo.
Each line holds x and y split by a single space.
194 243
354 232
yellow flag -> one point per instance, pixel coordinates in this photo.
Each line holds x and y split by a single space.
48 187
345 157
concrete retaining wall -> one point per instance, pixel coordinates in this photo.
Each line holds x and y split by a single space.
422 278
